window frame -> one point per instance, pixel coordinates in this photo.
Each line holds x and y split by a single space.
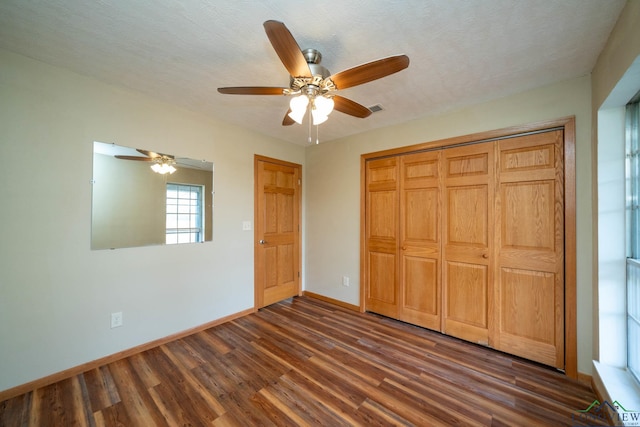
632 189
195 232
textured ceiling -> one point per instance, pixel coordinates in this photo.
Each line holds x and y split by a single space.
462 51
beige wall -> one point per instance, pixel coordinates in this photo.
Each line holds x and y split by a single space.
56 295
332 220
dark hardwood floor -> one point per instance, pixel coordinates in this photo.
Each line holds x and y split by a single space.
307 362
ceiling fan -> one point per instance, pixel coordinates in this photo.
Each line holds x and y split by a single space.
163 163
312 87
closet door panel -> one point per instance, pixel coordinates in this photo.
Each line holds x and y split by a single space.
383 272
468 236
528 310
467 222
467 300
381 250
421 216
420 286
530 238
383 219
420 247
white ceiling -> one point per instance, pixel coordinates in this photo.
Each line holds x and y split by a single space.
462 52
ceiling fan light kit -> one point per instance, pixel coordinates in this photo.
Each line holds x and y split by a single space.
322 107
163 166
298 106
312 86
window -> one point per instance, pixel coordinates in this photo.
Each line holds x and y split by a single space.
633 242
184 214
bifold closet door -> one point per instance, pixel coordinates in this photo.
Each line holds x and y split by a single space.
529 293
468 223
469 241
420 247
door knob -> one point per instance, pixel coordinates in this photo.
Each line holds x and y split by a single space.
262 242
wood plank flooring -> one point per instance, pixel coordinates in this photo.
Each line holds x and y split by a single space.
307 362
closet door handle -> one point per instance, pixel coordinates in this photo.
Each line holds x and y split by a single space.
485 256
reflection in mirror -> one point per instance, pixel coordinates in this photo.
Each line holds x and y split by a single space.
142 198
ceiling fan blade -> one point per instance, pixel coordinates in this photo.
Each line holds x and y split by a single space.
287 121
370 71
252 90
350 107
147 153
153 154
140 159
287 49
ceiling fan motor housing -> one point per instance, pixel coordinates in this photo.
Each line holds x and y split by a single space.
319 70
318 83
312 56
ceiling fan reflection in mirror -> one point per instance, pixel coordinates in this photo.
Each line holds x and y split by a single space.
162 163
312 88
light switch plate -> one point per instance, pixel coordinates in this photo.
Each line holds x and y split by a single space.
246 225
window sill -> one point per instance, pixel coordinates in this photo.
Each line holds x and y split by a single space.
618 385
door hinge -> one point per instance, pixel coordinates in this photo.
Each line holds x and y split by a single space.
299 181
298 274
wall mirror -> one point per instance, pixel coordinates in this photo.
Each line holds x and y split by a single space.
142 197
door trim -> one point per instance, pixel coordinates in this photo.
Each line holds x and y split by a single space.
257 298
568 125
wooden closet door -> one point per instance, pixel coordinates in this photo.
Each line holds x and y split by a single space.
381 236
530 238
420 231
468 241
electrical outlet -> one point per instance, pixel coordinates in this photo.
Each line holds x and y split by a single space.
116 320
246 225
345 281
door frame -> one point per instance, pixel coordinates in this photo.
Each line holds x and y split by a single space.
569 128
257 298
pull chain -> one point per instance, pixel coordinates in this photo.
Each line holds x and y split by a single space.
309 140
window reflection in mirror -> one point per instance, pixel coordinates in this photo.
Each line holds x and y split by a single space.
134 204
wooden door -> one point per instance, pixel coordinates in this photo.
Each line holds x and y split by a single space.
530 241
277 230
381 236
468 224
420 247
